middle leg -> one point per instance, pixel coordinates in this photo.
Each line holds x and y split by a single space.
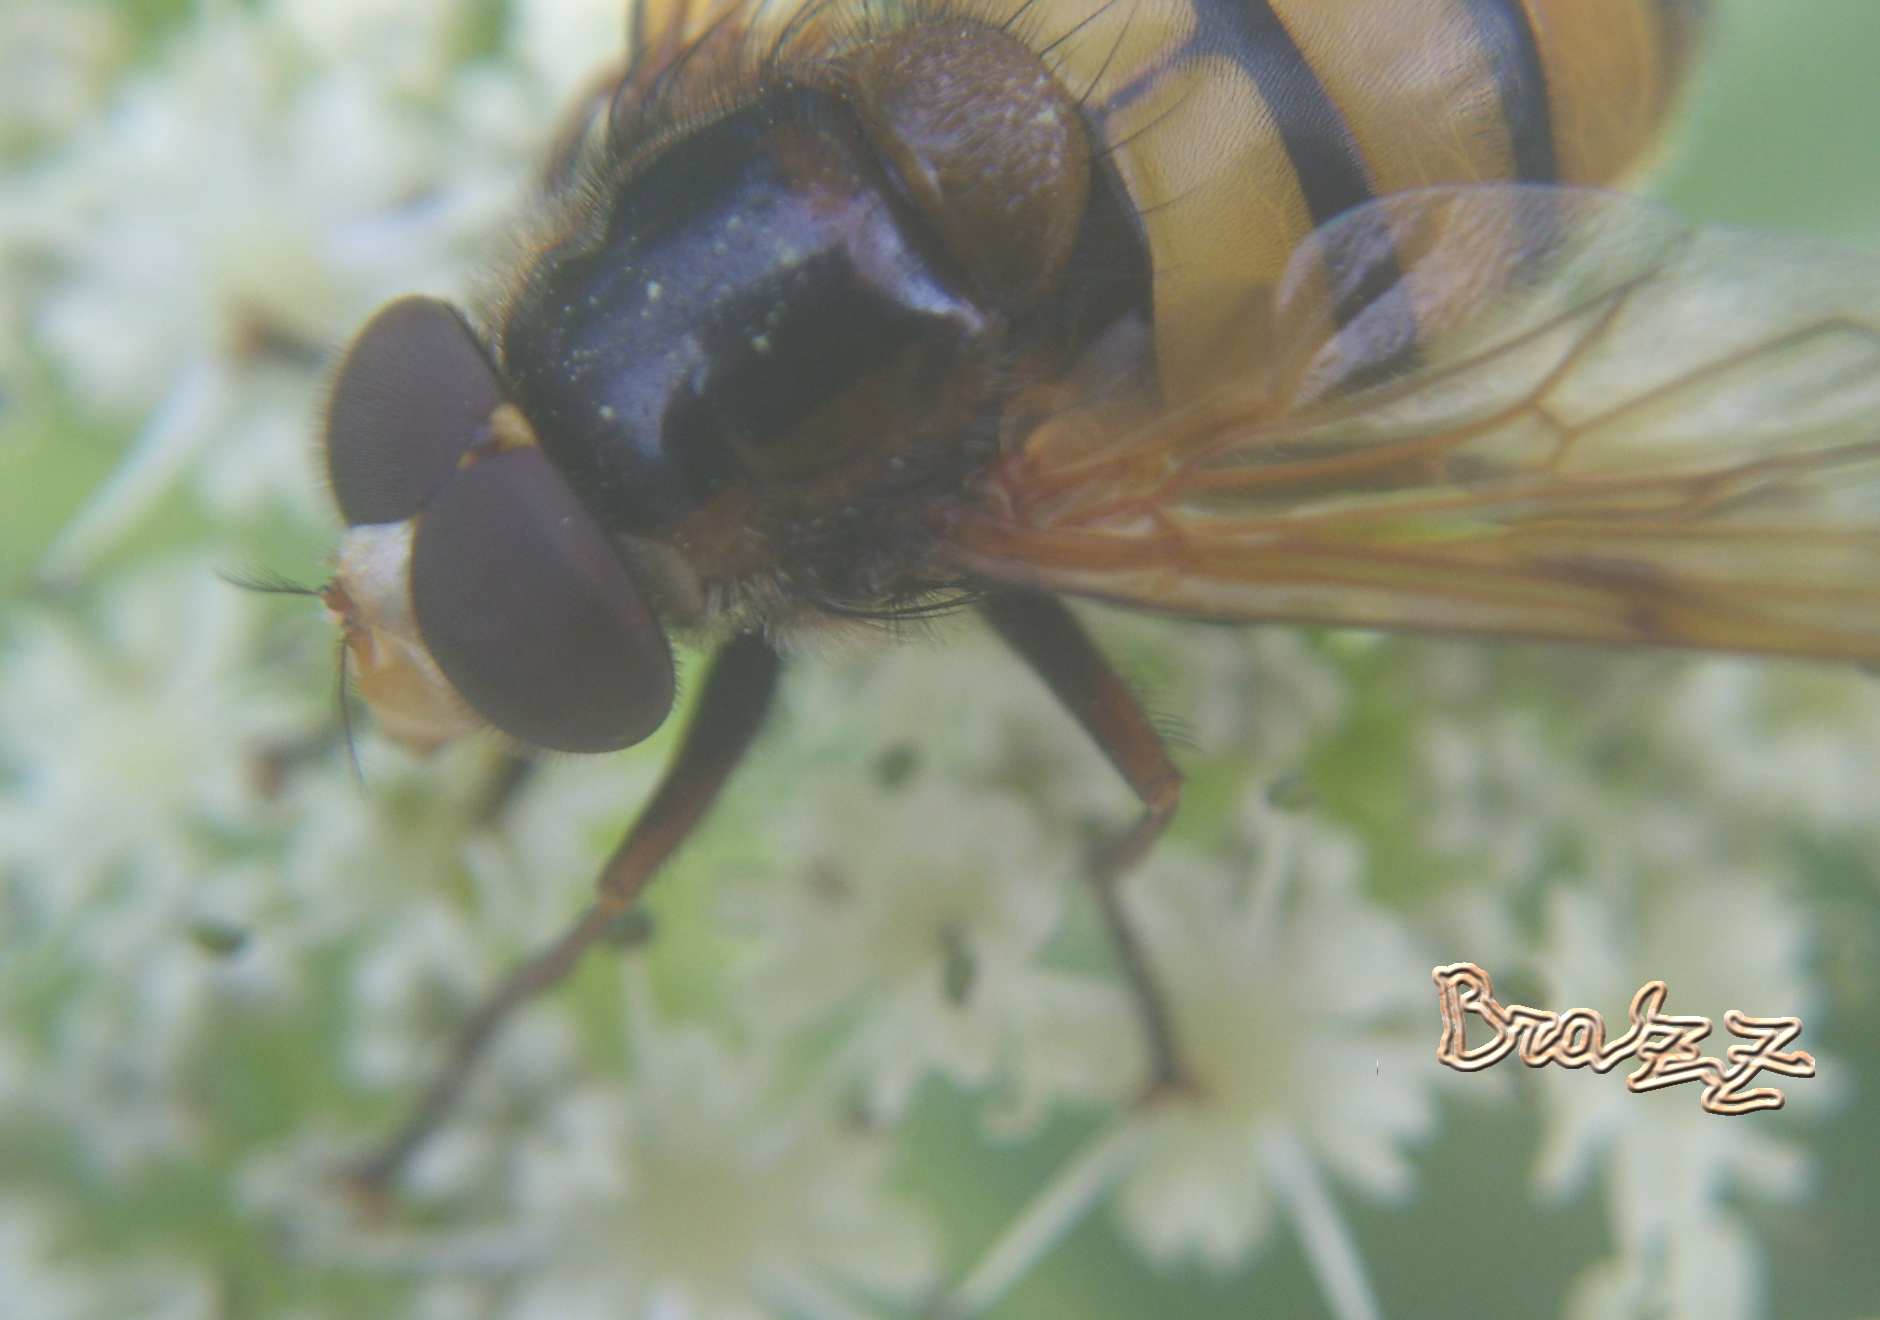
1050 639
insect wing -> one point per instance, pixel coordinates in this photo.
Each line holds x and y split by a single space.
1511 410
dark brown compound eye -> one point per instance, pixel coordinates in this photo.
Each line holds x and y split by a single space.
529 613
414 393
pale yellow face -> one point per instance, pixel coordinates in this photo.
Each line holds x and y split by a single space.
386 658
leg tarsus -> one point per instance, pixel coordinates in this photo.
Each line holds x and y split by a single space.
1110 867
1049 638
728 714
542 970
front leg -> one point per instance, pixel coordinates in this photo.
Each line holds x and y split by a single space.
730 710
1051 640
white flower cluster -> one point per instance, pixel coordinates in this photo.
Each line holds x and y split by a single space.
223 964
184 253
1658 830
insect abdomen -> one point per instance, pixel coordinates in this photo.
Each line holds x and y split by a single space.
1251 122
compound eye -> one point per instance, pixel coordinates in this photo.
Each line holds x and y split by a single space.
527 610
413 394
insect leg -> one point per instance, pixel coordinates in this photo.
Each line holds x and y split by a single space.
730 711
499 792
1051 640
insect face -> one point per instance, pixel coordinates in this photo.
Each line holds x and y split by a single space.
471 579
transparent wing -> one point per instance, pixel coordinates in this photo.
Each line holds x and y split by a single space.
1512 410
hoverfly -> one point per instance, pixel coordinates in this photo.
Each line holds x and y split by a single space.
1230 309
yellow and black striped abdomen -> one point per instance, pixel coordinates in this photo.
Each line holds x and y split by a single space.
1238 126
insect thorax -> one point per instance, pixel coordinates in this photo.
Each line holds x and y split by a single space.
786 343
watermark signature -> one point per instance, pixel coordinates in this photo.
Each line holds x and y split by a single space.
1664 1044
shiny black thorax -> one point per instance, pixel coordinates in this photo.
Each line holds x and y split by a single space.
763 352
